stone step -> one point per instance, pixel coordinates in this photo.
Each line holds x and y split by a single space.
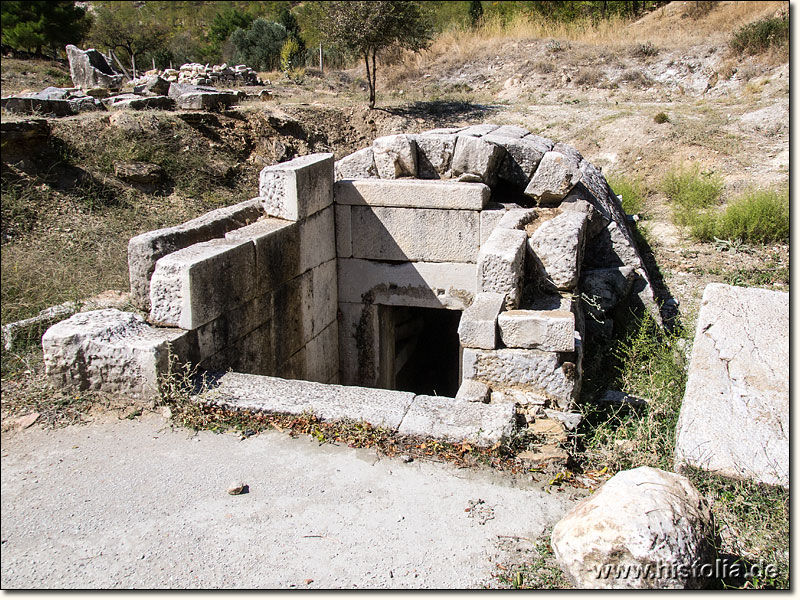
437 417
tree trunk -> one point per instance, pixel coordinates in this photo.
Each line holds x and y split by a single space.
114 56
370 81
374 80
133 64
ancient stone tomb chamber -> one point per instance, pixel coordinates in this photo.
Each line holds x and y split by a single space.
460 268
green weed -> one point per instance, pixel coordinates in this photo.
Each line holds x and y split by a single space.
539 572
760 36
691 192
633 191
757 216
661 118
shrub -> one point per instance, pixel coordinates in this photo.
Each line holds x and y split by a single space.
661 118
588 77
644 50
636 78
757 216
691 191
633 193
760 36
260 45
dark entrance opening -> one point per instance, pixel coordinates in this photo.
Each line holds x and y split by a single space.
420 350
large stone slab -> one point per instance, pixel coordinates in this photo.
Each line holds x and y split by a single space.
89 69
395 156
478 325
551 330
297 188
645 521
551 374
110 351
195 285
555 176
344 230
500 264
415 234
412 193
523 155
475 157
201 100
145 249
431 285
558 245
358 165
735 414
434 155
455 420
272 395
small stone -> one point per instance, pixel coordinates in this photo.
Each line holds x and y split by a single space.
406 458
25 421
237 488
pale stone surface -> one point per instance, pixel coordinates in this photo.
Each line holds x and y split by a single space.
89 69
37 106
196 285
735 414
358 344
477 157
522 156
613 247
415 234
134 102
344 231
642 518
479 130
478 325
358 165
552 330
322 355
553 375
511 131
201 100
570 420
489 220
576 202
517 218
395 156
433 285
145 249
262 394
325 296
454 420
555 176
412 193
434 155
473 391
110 351
558 245
297 188
500 264
276 250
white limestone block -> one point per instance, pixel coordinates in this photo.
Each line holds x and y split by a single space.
478 325
344 239
500 264
395 156
358 165
434 155
551 330
489 220
473 391
412 193
522 156
558 245
477 157
297 188
555 176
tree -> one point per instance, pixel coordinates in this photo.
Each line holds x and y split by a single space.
367 28
260 45
38 24
296 51
475 12
223 25
130 26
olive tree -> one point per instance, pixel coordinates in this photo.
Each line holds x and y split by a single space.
367 28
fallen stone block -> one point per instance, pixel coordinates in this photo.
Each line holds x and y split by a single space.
479 130
434 155
558 245
412 193
85 104
734 419
415 234
297 188
511 131
176 89
21 139
109 351
89 69
272 395
522 156
195 285
478 325
517 218
145 249
554 375
500 264
555 176
138 172
551 330
570 420
134 102
575 202
473 391
206 100
395 156
358 165
458 421
477 157
35 106
640 519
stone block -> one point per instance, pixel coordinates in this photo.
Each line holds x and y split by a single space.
195 285
36 106
322 355
297 188
517 218
501 263
551 330
558 245
89 69
613 247
358 165
110 351
434 155
479 130
145 249
344 239
415 234
325 294
202 100
478 325
276 245
575 202
644 518
734 420
395 156
430 285
510 131
412 193
454 420
603 289
553 375
489 220
476 157
317 239
522 156
293 316
271 395
236 324
555 176
473 391
358 344
134 102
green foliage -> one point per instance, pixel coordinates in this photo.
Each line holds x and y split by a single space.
33 25
692 192
661 118
291 59
760 36
223 25
475 12
633 191
260 45
759 216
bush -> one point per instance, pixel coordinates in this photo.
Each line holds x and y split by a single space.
760 216
661 118
691 192
260 45
644 50
633 193
760 36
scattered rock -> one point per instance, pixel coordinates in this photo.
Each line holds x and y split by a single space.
238 487
90 69
139 172
25 421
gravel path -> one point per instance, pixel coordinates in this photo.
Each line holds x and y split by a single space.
138 504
